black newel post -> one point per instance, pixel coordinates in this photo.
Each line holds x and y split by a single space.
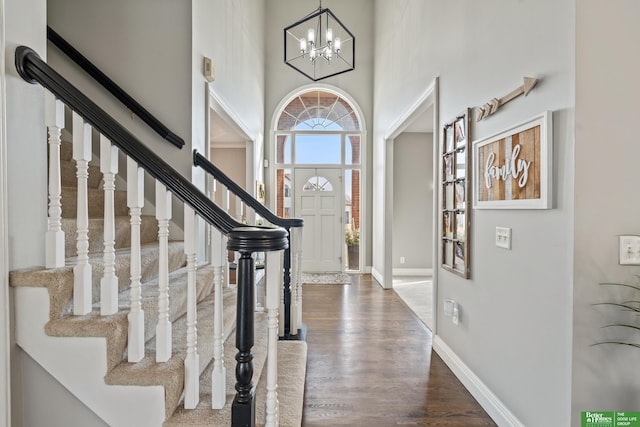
248 240
287 290
244 406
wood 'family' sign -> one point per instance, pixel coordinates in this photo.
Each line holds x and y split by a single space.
512 169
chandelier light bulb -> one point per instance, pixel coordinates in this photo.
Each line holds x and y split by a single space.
337 45
311 36
329 35
303 45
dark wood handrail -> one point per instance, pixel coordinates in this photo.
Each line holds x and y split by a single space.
113 88
262 210
34 70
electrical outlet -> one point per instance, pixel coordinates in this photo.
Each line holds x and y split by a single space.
503 237
401 260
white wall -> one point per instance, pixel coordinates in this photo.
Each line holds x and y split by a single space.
606 202
231 33
357 15
413 200
515 331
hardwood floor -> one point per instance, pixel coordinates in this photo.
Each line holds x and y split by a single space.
370 363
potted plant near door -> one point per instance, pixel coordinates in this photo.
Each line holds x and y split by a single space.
352 239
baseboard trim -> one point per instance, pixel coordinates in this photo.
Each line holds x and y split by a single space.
377 276
413 271
479 390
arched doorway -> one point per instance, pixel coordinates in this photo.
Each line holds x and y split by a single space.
319 135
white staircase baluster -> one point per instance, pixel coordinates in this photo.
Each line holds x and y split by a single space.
54 237
273 278
163 328
192 360
298 274
82 287
227 271
295 251
109 281
135 202
281 323
218 377
239 211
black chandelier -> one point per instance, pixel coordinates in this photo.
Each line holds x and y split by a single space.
319 45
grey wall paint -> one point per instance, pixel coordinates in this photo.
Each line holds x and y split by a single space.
232 161
50 403
144 46
26 140
413 200
520 299
606 202
357 15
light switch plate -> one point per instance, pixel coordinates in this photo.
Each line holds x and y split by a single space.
503 237
629 250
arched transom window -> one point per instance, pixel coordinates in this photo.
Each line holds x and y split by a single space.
319 129
319 111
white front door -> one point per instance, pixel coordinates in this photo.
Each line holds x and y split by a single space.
318 201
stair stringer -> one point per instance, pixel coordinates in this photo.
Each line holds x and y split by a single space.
118 406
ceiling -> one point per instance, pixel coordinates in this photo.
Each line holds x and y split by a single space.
422 123
222 134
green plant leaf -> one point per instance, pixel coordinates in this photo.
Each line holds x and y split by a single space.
617 342
623 325
620 284
625 306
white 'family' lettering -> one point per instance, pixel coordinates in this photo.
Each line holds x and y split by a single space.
514 167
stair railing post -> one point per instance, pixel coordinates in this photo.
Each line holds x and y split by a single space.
109 281
246 241
219 374
286 294
82 286
192 360
135 202
293 252
54 237
163 328
296 250
243 410
273 278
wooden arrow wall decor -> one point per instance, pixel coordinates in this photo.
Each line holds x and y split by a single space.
492 106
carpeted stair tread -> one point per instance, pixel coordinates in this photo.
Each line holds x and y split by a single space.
113 327
177 296
148 372
204 326
69 201
59 281
292 369
66 147
203 415
148 233
68 177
